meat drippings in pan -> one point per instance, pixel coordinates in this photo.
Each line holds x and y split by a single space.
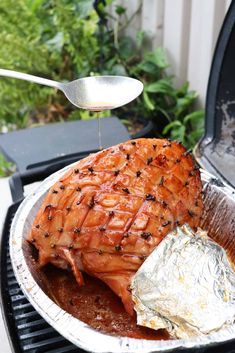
96 305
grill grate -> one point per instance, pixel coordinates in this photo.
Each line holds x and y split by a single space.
28 331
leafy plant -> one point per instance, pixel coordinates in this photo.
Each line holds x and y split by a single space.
170 108
188 130
6 168
66 39
50 38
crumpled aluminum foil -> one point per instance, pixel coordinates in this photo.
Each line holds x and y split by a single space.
186 285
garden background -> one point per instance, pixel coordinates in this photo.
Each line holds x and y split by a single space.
166 44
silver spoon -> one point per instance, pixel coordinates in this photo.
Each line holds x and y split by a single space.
92 93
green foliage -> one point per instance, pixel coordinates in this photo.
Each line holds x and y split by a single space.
48 38
188 130
65 39
6 168
170 108
86 115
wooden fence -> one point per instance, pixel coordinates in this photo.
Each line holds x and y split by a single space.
187 29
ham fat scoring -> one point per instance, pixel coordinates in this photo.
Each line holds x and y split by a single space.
111 209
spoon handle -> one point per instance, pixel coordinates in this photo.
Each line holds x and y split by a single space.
32 78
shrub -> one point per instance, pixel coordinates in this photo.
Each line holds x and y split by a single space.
67 39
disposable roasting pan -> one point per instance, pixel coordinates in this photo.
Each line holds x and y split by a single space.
218 219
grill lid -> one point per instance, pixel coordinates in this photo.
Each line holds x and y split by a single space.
216 150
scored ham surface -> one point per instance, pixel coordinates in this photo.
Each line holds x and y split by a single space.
110 210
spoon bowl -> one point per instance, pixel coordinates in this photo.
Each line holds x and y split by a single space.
92 93
102 92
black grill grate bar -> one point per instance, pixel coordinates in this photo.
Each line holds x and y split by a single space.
13 283
36 324
45 332
10 275
28 315
48 343
15 291
8 258
18 298
66 349
9 268
23 307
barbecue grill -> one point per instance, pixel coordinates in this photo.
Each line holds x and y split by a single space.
27 330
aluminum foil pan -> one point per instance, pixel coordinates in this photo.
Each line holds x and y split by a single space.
218 219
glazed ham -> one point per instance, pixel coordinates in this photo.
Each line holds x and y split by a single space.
111 209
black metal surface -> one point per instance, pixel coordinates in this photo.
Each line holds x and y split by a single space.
27 330
216 151
46 145
18 180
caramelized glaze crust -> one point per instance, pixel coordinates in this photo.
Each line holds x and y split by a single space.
109 211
